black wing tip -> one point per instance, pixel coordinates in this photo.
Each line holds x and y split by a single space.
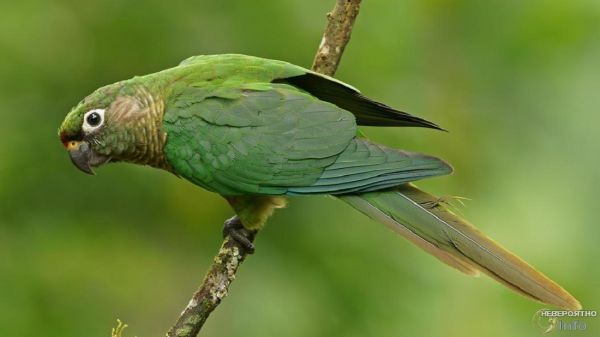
413 121
431 125
418 121
368 112
401 117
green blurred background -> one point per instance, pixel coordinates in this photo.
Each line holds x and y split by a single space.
516 83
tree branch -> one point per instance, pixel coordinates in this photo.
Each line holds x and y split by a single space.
336 36
216 283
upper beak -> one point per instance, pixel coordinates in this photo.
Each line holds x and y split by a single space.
81 155
84 157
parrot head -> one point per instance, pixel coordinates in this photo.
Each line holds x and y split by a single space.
115 123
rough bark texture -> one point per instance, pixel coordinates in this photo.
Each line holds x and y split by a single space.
336 36
213 289
216 283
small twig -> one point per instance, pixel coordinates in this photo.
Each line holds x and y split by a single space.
231 254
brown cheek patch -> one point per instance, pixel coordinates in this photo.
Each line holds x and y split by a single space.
124 108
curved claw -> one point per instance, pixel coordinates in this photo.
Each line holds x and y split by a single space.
234 228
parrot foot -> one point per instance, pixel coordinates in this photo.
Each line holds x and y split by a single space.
235 229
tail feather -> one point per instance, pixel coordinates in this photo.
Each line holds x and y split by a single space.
418 216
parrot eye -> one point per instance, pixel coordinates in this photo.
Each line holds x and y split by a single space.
93 119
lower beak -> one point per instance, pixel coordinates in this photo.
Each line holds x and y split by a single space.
84 157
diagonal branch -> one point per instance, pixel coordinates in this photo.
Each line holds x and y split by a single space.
216 283
213 289
336 36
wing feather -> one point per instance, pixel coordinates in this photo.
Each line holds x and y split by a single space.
280 141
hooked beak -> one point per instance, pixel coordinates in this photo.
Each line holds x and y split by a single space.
84 157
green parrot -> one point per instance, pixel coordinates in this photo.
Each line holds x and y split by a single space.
258 131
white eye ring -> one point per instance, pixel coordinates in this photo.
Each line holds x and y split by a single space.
92 120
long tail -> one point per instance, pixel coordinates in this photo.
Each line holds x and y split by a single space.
420 218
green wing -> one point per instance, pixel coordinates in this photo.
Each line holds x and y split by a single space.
274 139
258 142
